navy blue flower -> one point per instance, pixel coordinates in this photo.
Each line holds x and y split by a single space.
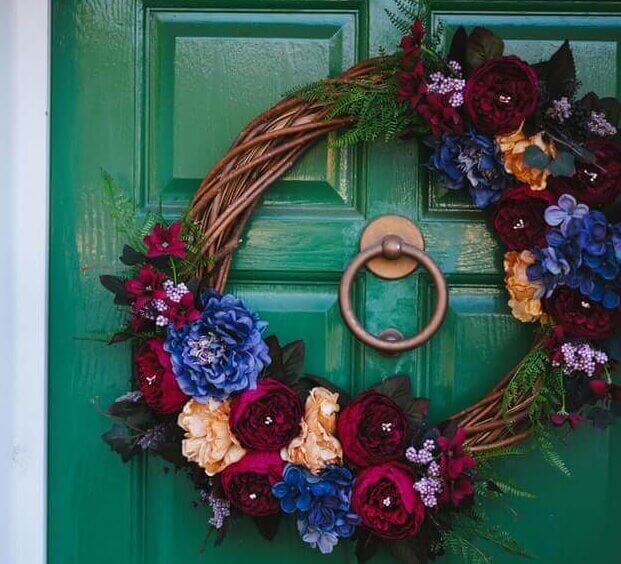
294 491
220 353
322 503
592 237
471 160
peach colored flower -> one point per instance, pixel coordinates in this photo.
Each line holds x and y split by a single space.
513 146
316 446
525 302
208 440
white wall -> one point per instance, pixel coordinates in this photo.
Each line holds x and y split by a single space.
24 64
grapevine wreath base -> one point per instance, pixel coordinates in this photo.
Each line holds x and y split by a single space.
256 435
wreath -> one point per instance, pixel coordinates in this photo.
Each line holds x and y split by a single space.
258 437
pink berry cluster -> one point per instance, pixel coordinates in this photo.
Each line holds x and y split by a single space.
430 485
220 507
449 85
599 125
560 110
158 309
580 357
424 455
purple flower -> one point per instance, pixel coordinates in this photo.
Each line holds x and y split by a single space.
566 210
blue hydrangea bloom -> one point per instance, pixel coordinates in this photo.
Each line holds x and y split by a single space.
220 353
566 210
471 160
322 503
582 254
294 491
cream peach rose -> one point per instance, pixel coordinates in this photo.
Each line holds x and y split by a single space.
525 302
316 446
513 147
208 439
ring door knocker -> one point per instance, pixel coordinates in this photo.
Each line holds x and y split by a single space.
391 247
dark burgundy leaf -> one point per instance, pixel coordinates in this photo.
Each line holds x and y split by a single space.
483 45
113 284
132 257
560 76
406 551
120 337
120 440
293 360
366 545
457 52
137 415
268 525
276 367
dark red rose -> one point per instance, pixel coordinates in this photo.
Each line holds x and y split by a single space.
579 316
454 464
156 379
147 286
266 418
385 499
247 484
518 217
183 311
500 94
593 184
372 429
165 241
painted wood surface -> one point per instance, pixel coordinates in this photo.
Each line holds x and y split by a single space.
154 92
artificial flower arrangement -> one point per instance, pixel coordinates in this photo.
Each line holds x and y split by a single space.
260 438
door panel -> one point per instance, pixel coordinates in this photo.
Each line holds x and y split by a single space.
154 92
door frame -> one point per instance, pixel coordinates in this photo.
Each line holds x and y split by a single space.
24 124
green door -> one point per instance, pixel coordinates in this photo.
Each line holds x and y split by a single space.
154 91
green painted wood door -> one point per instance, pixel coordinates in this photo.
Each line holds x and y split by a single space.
154 91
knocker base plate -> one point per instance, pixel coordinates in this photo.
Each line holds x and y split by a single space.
375 232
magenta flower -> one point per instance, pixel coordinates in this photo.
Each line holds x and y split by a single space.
454 465
146 287
165 241
572 419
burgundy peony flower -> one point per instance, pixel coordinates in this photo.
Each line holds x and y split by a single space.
518 217
183 311
372 429
147 286
266 418
247 484
454 463
385 499
594 184
579 316
500 94
156 379
165 241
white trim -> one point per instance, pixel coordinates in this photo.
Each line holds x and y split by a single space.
24 182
